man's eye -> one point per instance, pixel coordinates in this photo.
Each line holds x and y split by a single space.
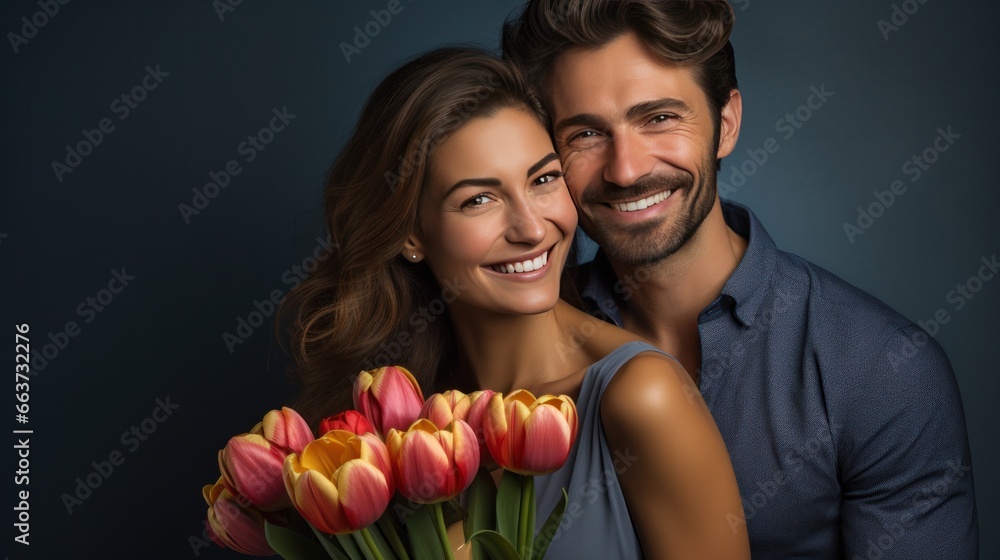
548 178
583 140
660 119
582 135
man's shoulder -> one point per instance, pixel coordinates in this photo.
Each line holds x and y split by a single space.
833 300
831 303
851 328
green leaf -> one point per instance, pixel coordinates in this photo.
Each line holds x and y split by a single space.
331 548
388 527
482 504
382 543
363 546
291 545
509 505
421 528
482 509
461 511
544 537
350 546
494 545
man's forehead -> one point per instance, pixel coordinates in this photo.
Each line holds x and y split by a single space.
615 77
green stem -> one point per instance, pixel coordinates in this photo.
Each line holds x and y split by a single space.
389 530
443 531
522 529
372 547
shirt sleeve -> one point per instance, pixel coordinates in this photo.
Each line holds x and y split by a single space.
905 466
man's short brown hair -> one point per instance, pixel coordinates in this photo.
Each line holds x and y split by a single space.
686 32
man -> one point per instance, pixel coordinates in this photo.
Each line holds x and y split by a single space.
842 418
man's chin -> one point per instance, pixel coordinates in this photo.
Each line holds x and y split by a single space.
631 250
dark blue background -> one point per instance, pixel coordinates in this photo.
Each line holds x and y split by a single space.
162 336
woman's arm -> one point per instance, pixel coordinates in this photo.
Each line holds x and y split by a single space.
680 489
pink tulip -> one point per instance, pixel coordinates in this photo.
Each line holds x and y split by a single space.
530 436
233 525
342 482
432 464
443 408
252 463
350 420
389 397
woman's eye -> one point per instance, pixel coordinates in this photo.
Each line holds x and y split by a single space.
548 177
476 201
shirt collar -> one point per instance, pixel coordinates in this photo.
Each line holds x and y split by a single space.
751 284
748 287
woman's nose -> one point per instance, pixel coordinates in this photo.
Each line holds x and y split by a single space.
526 224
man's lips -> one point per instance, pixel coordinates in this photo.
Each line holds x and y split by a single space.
642 203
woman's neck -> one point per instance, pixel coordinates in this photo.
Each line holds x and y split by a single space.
505 352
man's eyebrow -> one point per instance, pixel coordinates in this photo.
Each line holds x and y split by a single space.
589 120
637 110
666 103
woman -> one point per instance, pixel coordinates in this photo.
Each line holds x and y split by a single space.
452 226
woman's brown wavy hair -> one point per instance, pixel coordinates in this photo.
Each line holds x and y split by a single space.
365 306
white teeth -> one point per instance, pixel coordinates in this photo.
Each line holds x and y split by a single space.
523 266
642 204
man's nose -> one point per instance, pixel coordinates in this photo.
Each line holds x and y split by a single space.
625 161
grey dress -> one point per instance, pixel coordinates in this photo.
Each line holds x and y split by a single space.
596 523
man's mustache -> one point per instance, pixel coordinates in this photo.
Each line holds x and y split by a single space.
609 193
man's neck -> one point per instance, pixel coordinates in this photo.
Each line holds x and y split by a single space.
665 298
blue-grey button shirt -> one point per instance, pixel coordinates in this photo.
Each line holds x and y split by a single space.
842 418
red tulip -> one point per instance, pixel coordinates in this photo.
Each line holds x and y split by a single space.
527 435
233 525
350 420
389 397
342 482
252 463
432 464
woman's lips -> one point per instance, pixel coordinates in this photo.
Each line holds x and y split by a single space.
521 266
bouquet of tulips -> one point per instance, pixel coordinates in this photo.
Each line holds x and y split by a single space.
373 485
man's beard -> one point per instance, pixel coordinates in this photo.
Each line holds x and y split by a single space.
653 241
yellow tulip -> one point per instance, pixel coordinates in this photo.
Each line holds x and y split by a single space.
341 482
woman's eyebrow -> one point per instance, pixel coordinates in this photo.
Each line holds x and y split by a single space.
494 182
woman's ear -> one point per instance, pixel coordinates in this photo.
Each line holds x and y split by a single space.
412 249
